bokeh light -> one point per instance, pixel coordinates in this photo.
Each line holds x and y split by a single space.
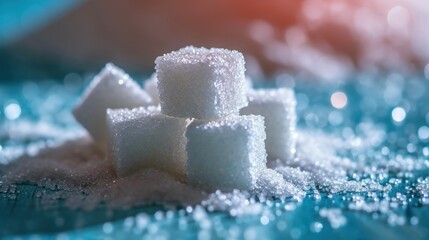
338 100
12 110
398 114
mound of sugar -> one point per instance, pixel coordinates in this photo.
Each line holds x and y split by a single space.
271 183
76 171
318 167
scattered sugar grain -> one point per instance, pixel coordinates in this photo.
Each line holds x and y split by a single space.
76 172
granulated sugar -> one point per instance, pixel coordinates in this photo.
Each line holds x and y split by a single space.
76 166
78 171
365 166
73 169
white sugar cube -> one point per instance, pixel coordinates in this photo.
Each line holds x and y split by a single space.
227 153
151 87
201 83
111 88
277 106
145 138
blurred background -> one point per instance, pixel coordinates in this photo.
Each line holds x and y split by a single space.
314 39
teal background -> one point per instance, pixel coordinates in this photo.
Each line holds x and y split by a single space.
17 17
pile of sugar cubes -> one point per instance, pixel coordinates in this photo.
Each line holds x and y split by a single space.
197 119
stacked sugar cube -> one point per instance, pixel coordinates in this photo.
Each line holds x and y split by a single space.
201 83
111 88
277 106
121 119
224 150
143 137
227 153
196 133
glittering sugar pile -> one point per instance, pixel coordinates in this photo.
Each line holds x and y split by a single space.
76 170
207 151
211 130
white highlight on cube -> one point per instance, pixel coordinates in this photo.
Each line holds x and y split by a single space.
151 87
277 106
111 88
145 138
201 83
226 154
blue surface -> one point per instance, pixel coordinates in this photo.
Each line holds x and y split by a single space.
26 216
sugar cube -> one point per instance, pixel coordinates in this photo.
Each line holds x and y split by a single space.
277 106
201 83
145 138
111 88
226 153
151 87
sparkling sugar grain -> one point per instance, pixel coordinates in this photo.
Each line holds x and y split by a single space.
75 170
